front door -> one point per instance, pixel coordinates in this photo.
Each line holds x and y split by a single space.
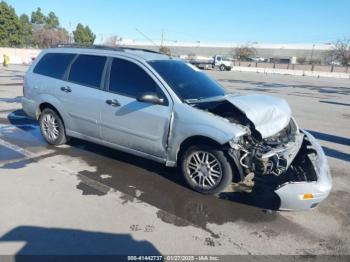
125 121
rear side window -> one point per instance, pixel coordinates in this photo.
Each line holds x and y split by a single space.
129 79
53 64
87 70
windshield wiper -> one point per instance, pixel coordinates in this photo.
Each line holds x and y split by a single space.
192 100
204 100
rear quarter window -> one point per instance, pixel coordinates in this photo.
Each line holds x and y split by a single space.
53 64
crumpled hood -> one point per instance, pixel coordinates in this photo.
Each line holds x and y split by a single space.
269 114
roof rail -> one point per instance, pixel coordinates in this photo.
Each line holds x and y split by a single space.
139 49
104 47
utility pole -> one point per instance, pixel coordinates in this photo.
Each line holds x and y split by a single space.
162 43
312 57
312 53
70 38
145 36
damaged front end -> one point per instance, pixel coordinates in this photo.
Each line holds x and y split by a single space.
290 162
294 167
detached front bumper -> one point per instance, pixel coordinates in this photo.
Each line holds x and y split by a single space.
306 195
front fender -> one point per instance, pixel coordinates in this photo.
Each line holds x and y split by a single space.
190 122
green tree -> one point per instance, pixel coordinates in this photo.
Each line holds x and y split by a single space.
26 31
38 17
52 21
83 35
10 26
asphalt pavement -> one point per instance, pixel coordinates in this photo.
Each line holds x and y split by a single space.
82 198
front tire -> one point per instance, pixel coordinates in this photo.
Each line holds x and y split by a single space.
52 127
206 169
222 68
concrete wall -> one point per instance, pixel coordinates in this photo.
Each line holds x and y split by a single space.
19 55
316 54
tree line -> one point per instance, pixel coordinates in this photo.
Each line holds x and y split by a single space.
38 30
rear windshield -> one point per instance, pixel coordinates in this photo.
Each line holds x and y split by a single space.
187 81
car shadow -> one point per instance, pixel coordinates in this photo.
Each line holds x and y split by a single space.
58 244
131 107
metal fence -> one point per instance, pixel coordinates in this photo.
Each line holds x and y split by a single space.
304 67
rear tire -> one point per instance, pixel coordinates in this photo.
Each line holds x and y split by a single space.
222 68
52 127
206 169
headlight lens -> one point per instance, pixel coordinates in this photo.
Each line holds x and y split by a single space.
236 142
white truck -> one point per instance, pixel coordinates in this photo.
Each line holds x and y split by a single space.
221 62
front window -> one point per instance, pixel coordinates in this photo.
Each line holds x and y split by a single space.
127 78
187 82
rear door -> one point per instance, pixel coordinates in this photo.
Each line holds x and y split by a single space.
48 76
129 123
80 93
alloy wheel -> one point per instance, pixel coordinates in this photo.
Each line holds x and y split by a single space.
204 169
50 127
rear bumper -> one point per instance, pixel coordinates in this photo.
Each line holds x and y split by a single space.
291 194
29 107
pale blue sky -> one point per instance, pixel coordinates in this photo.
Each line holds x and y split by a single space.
239 21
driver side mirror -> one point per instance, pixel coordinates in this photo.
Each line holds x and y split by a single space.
151 98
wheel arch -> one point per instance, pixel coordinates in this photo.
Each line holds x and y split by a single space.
195 140
52 102
44 105
200 140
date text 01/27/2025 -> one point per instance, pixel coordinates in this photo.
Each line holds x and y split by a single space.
173 258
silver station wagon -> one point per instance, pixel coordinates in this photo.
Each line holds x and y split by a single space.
161 108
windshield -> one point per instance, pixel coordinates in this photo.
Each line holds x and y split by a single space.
187 81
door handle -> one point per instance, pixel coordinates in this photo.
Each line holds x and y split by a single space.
113 102
66 89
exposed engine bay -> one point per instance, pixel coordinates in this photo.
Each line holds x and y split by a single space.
283 157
